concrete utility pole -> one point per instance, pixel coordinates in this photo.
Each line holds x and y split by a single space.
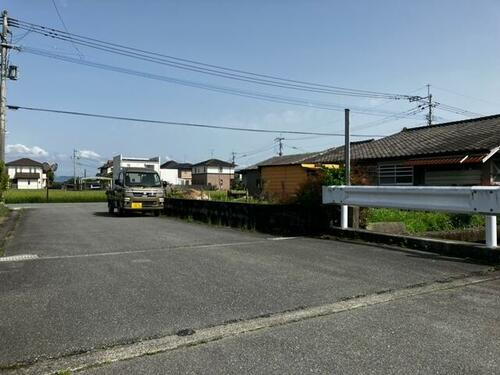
429 104
3 84
74 169
344 222
233 157
280 143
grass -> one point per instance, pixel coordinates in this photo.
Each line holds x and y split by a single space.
4 211
55 196
424 221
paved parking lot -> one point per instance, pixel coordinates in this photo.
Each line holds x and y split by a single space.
105 282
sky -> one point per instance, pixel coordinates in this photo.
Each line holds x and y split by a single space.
394 46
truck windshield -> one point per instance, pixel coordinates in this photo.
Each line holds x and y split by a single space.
146 179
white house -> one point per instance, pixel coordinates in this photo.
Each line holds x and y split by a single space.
26 174
176 173
120 161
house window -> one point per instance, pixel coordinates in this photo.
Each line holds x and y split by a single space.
150 166
393 174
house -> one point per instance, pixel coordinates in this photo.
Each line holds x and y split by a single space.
121 161
176 173
106 170
26 174
458 153
250 179
282 176
213 173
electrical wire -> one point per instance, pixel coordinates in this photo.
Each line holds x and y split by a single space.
201 67
184 124
66 28
221 89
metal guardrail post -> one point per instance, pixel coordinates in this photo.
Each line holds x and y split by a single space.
344 216
491 231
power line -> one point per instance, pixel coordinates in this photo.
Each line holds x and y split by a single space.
202 67
221 89
65 28
397 116
185 124
465 96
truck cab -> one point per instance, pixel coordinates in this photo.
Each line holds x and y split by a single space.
136 189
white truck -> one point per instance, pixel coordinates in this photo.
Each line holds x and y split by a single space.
136 186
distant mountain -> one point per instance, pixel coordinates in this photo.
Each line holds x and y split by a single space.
62 178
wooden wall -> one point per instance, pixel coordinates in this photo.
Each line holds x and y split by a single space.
282 182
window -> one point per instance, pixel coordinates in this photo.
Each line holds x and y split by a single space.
393 174
149 166
145 179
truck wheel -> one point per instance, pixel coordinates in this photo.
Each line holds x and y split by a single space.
111 207
156 212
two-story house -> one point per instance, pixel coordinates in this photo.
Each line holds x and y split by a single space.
214 173
26 174
176 173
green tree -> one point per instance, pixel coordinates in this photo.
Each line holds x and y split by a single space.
4 180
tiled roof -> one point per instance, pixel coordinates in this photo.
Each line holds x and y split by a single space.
479 134
24 162
172 164
214 163
287 159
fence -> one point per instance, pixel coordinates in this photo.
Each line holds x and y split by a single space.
282 219
472 200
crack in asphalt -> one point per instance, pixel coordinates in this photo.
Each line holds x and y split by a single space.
197 336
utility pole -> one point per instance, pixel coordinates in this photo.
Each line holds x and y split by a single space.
429 105
280 143
347 148
74 168
3 84
233 157
344 216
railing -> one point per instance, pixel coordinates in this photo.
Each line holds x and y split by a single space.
471 200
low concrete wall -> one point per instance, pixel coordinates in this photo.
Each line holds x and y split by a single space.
268 218
450 248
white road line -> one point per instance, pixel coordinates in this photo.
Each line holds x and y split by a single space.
115 253
202 336
18 258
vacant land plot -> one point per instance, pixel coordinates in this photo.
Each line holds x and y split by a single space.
55 196
94 280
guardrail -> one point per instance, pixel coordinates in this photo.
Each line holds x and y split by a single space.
472 200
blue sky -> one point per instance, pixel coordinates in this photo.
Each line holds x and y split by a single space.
389 46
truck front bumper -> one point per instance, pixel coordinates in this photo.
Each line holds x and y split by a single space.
143 205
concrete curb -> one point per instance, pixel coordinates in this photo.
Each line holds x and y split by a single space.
457 249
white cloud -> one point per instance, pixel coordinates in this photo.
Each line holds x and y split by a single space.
89 154
20 149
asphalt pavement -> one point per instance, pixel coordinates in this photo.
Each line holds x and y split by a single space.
103 282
